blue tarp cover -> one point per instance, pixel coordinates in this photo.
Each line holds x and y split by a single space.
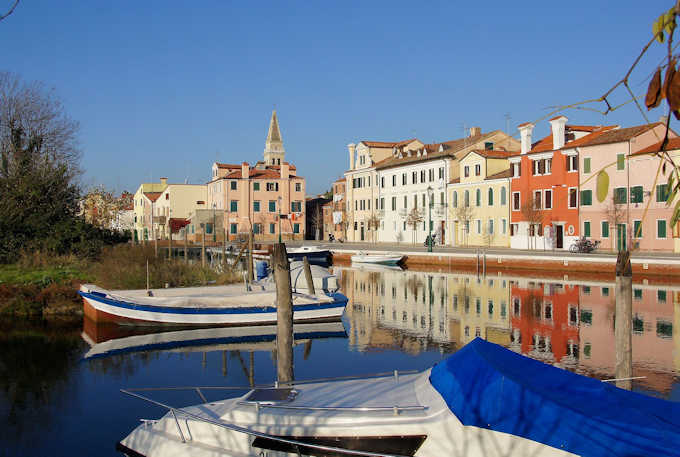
488 386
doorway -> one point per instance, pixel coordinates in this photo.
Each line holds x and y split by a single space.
443 237
621 241
362 231
559 236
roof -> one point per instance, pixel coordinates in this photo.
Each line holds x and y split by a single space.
619 135
492 154
557 117
450 148
673 143
583 128
502 174
227 165
550 405
254 173
546 144
387 144
343 179
153 196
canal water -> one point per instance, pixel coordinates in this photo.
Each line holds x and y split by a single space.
60 381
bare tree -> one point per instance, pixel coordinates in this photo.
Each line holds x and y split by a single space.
488 234
317 222
413 219
533 215
464 214
615 212
373 223
99 207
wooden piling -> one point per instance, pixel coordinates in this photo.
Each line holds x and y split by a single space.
308 276
623 324
284 313
224 251
251 276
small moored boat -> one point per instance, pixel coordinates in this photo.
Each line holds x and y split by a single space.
482 401
217 305
379 259
315 255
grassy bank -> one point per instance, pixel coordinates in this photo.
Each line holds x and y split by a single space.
44 285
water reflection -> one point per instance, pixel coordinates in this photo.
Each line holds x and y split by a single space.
564 323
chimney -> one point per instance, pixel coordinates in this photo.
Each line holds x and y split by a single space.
475 131
557 124
245 170
525 131
285 168
351 147
164 181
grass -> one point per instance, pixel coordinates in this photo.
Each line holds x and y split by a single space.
39 284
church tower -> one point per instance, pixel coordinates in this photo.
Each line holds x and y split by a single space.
274 153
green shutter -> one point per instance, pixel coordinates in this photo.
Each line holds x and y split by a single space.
586 165
661 228
637 229
586 229
490 197
620 195
256 186
662 192
256 206
586 197
605 229
296 228
636 194
620 161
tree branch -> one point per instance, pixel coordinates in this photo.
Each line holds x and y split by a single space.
11 10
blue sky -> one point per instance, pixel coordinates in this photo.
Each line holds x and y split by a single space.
165 88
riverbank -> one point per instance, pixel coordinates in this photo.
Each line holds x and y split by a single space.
40 285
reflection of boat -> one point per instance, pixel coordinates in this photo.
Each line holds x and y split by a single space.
214 305
315 255
251 338
380 259
483 400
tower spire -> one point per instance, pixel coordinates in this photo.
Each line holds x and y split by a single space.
274 152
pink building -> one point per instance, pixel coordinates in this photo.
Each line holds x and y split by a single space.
267 197
619 203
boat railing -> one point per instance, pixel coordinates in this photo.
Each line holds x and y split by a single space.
235 428
396 409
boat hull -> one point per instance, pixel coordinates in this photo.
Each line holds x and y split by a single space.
321 258
103 309
377 260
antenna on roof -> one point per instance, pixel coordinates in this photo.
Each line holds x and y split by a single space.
507 123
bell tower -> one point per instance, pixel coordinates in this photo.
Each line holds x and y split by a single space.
274 154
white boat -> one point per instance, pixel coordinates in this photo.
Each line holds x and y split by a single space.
252 338
315 255
213 305
482 401
380 259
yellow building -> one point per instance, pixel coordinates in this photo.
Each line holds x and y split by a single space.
480 200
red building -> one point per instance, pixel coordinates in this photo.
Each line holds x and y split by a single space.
544 186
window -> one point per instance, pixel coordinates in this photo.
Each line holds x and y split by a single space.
422 176
423 200
503 196
572 163
455 199
382 182
573 197
479 226
296 207
208 228
467 198
548 199
490 196
662 193
298 187
394 180
586 165
661 228
548 166
620 161
296 228
274 186
257 229
515 201
504 226
586 228
403 179
394 203
637 229
620 195
256 206
586 197
637 294
256 186
232 185
233 228
537 199
514 229
636 194
488 145
414 177
516 168
272 228
490 226
478 170
605 229
441 172
466 171
233 206
431 174
661 296
382 204
664 329
272 206
605 291
478 197
405 202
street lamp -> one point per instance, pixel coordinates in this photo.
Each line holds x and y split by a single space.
279 207
429 219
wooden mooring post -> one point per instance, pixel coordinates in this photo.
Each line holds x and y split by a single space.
284 314
224 251
308 276
623 324
251 276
